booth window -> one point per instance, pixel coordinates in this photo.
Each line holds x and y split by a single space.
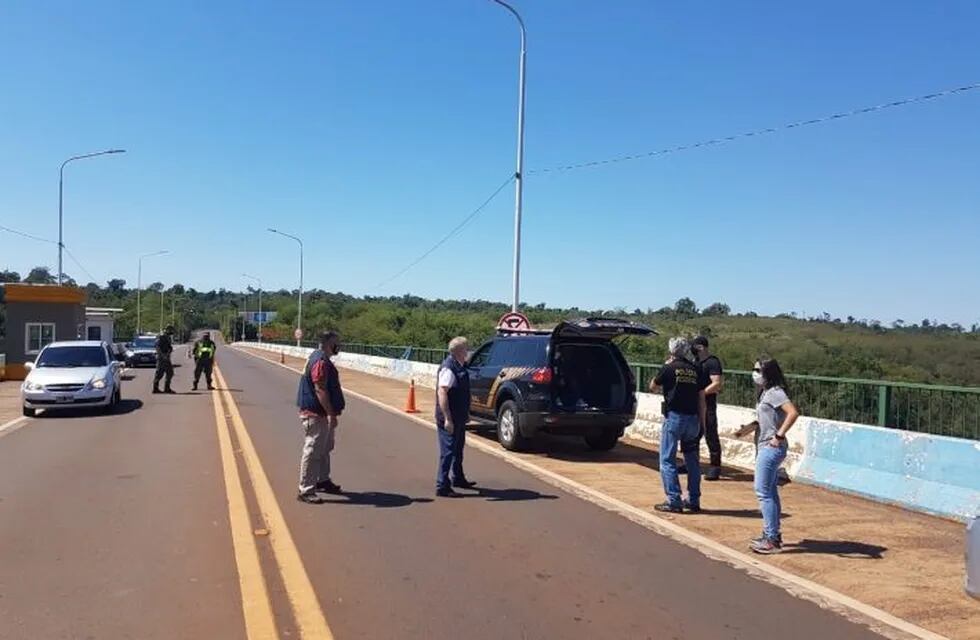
37 336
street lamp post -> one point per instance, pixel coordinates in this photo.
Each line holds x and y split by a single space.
244 316
519 175
161 312
61 193
245 275
139 289
299 315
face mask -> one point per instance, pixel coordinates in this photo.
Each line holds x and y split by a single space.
758 379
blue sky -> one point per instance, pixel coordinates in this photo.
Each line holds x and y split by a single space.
372 127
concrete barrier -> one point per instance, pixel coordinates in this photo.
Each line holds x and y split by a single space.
933 474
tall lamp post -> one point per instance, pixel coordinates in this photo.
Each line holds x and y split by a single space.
245 275
61 199
139 288
519 175
299 315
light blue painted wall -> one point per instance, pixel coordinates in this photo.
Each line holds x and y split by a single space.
928 473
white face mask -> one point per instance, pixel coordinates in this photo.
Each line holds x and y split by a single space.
758 379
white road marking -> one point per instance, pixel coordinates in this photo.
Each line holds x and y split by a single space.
879 621
9 427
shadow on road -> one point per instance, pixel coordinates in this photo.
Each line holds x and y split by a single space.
739 513
507 495
126 405
378 499
840 548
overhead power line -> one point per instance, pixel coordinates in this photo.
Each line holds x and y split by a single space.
760 132
79 265
26 235
452 233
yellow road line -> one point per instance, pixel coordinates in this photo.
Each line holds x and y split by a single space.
309 616
259 620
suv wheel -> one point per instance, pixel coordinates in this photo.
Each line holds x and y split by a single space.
509 427
604 440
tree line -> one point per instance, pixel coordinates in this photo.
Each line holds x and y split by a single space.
928 351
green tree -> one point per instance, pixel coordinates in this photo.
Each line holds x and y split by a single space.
40 275
9 276
686 307
717 309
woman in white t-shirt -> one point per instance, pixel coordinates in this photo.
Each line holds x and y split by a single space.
776 414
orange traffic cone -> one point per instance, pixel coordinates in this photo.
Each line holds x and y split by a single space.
410 404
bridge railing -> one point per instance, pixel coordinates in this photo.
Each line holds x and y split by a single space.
941 410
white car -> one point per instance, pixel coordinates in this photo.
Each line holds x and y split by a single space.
71 375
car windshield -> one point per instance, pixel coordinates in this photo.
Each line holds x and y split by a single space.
58 357
145 343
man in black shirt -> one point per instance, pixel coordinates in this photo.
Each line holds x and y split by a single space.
682 383
711 367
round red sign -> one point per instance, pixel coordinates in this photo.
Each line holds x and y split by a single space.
514 321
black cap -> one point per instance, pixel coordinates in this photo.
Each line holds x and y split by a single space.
700 340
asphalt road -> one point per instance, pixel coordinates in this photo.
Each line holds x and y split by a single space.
118 527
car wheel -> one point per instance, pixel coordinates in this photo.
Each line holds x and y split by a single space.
509 427
604 440
29 413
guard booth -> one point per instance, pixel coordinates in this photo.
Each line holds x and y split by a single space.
35 315
100 323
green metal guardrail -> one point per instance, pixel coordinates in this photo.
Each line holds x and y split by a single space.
941 410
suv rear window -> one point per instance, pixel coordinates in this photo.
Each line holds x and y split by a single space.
519 353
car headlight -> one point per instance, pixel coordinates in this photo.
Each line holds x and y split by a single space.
33 386
98 384
130 354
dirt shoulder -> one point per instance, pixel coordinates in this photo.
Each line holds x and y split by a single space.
907 564
10 404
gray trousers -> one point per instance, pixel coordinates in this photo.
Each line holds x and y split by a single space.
318 442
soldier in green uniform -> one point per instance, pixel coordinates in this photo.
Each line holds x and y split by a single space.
165 367
203 353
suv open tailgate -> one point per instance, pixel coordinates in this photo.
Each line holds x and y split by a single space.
600 328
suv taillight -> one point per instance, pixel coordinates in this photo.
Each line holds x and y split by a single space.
541 376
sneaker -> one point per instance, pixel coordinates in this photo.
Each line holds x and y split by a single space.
463 484
666 507
309 498
447 492
713 473
692 507
155 390
327 486
766 546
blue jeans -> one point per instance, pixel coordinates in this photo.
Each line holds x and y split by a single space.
450 456
684 431
767 463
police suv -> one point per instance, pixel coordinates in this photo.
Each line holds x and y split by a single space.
572 380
